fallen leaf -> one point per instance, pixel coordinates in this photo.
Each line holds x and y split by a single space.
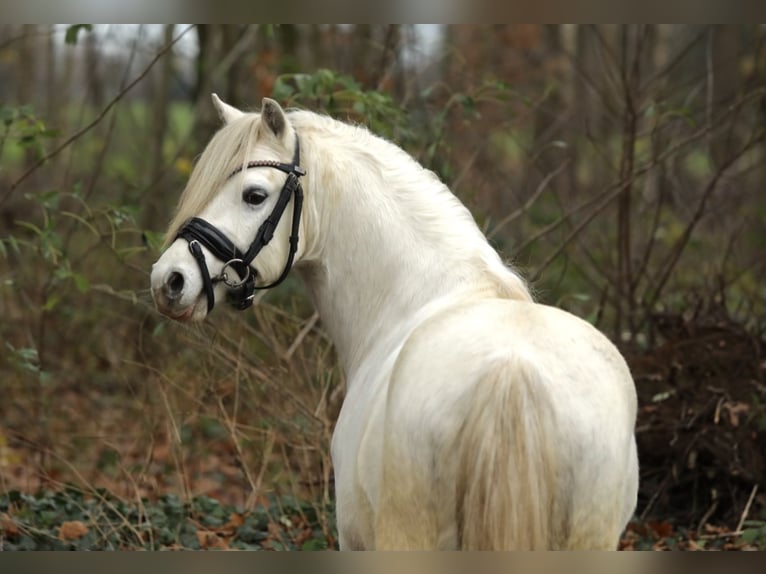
73 530
230 528
8 526
208 539
661 529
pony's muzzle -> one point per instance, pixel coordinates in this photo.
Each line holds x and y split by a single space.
169 297
168 293
173 292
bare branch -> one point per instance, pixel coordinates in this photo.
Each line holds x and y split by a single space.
531 201
600 201
96 121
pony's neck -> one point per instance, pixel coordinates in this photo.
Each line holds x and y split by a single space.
392 239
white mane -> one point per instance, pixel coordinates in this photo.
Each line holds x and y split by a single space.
374 170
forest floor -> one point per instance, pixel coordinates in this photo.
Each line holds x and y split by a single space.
701 434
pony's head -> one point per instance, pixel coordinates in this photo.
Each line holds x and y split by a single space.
236 226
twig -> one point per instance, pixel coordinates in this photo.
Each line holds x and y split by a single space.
533 198
300 336
96 121
660 490
231 425
252 498
11 40
238 50
719 535
708 513
668 67
747 507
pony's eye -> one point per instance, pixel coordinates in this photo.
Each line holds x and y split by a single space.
254 195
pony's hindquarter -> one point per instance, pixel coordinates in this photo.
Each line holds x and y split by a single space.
501 437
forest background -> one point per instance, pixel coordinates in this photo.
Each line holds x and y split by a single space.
622 169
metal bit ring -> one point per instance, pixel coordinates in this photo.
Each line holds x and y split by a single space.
225 276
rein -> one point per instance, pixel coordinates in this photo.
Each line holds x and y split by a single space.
197 232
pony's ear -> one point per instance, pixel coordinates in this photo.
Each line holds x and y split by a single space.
226 112
273 116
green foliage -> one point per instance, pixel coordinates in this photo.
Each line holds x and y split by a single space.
22 128
72 32
71 520
754 533
340 95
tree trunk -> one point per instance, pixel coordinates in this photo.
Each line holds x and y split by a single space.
725 83
209 53
93 78
160 105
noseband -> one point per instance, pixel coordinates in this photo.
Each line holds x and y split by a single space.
197 231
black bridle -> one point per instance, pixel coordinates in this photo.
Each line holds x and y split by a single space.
198 232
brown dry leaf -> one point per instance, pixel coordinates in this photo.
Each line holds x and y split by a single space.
205 485
208 539
161 452
8 526
230 528
661 529
73 530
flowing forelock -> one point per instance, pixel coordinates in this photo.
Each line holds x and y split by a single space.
227 150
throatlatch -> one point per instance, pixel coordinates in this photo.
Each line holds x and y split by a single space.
198 232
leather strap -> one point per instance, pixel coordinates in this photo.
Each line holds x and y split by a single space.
198 231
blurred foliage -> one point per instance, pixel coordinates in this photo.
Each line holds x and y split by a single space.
243 406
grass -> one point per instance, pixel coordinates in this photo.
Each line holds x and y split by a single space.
190 438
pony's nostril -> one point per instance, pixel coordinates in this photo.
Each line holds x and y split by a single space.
174 285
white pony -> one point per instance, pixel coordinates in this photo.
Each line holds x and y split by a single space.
474 417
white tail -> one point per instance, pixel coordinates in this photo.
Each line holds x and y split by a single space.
508 489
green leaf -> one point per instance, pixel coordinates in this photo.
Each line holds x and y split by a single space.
108 458
81 282
73 31
314 544
53 300
8 115
682 113
31 227
152 239
751 535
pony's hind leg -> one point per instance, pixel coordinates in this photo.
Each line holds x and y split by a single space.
414 512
